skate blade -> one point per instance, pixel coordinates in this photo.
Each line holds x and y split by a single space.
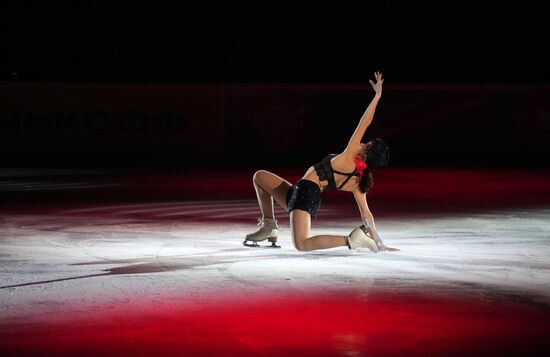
254 244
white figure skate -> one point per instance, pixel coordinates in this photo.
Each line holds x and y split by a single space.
363 237
268 230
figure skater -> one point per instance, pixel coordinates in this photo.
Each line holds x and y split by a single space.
349 171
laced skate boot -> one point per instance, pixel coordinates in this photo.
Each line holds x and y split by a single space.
362 237
268 230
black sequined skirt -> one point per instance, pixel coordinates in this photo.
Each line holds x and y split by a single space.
304 195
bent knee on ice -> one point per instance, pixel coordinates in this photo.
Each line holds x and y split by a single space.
300 244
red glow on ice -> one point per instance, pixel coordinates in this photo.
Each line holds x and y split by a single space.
315 324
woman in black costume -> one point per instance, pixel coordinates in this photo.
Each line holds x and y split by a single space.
349 171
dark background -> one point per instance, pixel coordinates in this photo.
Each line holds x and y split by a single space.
425 52
154 41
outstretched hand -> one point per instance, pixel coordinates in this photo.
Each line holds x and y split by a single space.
378 85
390 249
374 235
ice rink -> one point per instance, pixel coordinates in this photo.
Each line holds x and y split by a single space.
107 263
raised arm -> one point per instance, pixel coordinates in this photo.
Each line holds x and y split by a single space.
366 119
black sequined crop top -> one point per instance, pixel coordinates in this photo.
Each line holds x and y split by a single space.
326 173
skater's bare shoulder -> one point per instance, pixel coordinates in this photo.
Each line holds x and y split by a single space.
343 162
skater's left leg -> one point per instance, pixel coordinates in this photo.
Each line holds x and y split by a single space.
270 187
300 223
